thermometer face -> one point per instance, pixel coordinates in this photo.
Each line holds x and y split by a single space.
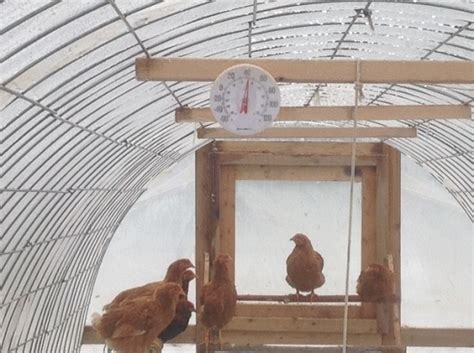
245 99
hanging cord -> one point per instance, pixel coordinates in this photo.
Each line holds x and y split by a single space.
357 88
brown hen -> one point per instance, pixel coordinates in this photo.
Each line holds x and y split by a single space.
187 277
304 266
184 309
134 326
173 275
218 298
375 284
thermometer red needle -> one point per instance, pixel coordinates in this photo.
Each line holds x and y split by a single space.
245 100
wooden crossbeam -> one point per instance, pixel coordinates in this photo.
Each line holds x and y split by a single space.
314 71
411 337
289 324
303 298
300 310
390 112
338 132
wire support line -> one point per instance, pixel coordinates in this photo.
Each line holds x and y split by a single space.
140 43
424 57
171 92
51 330
358 14
129 26
62 281
58 117
35 191
469 191
70 190
30 244
451 36
252 24
453 155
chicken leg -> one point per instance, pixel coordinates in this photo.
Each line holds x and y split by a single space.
156 346
312 296
206 340
220 339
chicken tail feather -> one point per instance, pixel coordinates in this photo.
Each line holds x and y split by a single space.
96 321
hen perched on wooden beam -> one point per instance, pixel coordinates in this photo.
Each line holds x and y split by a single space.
218 298
304 266
375 284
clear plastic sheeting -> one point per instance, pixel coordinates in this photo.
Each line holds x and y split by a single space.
82 138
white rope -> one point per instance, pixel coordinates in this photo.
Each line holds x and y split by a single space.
351 202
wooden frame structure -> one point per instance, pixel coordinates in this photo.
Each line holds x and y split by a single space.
220 164
374 326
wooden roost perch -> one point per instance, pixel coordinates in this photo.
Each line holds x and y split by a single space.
220 164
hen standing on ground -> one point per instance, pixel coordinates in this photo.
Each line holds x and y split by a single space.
184 309
375 284
304 266
133 326
218 298
173 275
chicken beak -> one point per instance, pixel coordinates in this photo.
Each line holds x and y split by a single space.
292 239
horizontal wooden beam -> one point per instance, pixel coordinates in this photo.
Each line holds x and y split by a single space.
301 310
314 349
307 148
303 298
251 338
320 113
437 337
315 71
327 132
286 160
411 337
290 173
309 325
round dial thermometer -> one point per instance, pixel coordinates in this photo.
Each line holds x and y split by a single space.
245 99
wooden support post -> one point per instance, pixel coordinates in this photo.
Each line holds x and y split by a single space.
388 236
393 243
369 235
226 238
206 222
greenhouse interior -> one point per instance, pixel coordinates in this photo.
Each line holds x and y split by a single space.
237 176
